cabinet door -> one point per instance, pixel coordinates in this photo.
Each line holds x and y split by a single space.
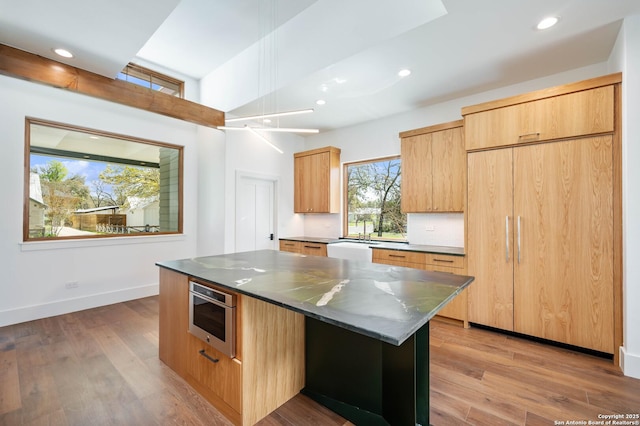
490 238
563 197
580 113
448 170
416 173
302 183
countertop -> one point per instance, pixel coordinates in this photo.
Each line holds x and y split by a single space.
421 248
388 303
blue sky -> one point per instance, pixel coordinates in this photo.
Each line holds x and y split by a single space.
89 169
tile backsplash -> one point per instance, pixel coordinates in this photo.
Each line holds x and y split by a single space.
437 229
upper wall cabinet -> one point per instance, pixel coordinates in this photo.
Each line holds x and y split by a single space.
569 111
317 181
433 169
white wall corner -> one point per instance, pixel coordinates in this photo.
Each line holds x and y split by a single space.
60 307
629 363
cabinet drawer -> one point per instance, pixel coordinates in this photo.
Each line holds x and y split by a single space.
314 249
399 257
292 246
573 114
222 377
445 261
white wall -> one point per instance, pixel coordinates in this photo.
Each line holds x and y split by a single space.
34 274
248 154
626 58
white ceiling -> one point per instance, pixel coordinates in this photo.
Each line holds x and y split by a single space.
258 56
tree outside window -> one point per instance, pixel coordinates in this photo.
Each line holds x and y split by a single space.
373 200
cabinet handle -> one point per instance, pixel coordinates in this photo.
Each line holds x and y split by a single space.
443 260
313 247
207 356
397 255
530 136
506 227
518 239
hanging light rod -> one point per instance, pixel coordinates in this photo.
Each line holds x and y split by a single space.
265 140
275 114
271 129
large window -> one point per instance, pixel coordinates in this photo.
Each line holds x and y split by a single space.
372 190
83 183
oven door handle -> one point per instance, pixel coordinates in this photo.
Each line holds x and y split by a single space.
210 300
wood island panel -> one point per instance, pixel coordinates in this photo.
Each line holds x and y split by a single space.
174 320
273 351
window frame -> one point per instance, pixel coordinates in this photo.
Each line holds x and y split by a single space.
26 238
345 193
155 77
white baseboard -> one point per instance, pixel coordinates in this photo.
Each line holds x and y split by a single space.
59 307
630 363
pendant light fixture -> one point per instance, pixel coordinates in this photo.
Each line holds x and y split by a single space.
267 76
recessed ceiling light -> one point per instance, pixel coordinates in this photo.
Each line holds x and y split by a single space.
340 80
547 23
321 102
63 52
266 120
404 72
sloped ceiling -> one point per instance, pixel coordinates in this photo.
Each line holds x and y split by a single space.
257 56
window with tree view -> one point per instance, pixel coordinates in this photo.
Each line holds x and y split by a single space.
82 183
372 191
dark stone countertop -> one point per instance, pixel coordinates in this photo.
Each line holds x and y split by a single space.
388 303
421 248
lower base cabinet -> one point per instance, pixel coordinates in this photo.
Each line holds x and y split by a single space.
303 247
457 308
267 371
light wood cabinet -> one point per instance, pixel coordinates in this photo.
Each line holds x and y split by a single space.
303 247
548 116
433 169
267 371
541 226
290 246
314 249
457 308
317 181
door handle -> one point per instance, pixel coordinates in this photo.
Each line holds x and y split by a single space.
271 237
518 239
506 233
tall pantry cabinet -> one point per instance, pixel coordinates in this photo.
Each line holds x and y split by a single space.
543 217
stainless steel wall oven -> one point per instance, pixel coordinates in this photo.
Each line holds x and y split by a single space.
212 317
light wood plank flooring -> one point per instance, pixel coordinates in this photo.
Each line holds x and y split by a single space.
101 367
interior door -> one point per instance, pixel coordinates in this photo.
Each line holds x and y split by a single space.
563 286
490 238
255 214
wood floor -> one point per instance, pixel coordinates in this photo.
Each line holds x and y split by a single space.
101 367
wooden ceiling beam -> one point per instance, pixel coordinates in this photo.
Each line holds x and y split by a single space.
27 66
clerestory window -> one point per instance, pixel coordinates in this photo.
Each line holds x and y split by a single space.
153 80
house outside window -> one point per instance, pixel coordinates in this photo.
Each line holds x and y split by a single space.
83 183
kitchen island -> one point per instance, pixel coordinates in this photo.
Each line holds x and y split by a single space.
362 329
